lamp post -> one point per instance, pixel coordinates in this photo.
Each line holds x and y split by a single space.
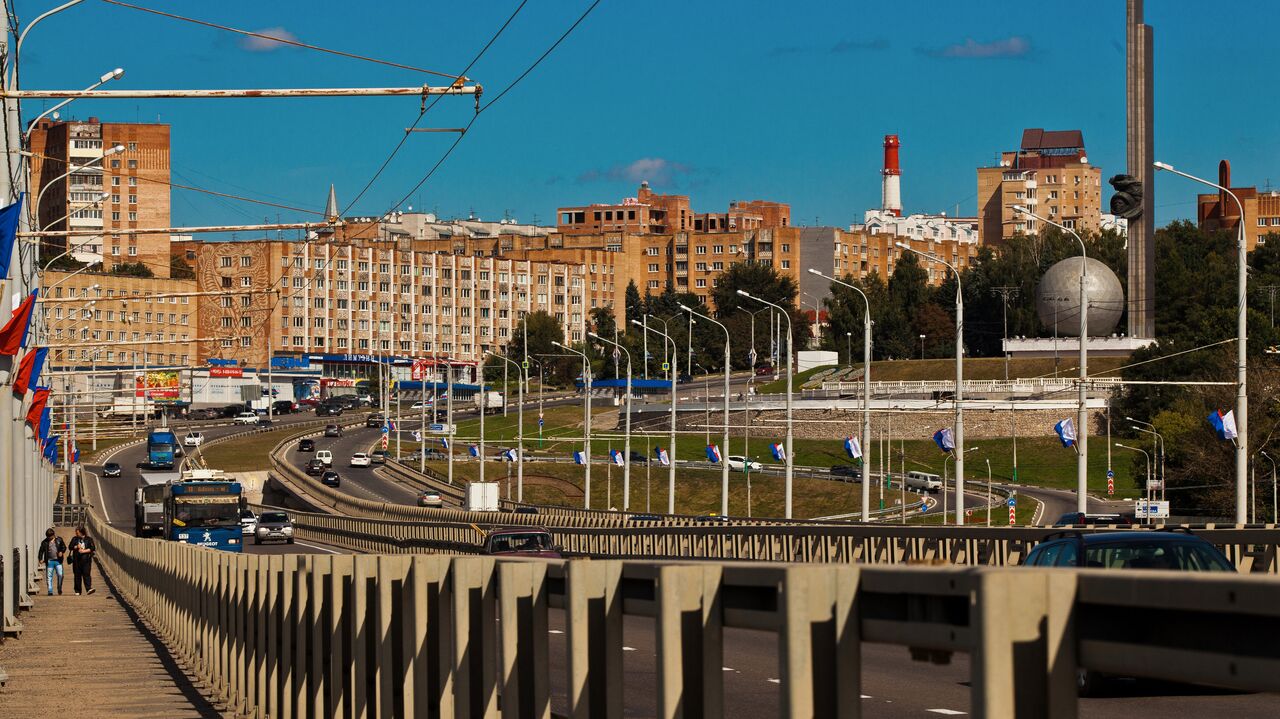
959 377
519 431
948 458
922 346
115 74
586 422
1273 484
1242 338
866 392
1146 516
671 451
753 333
848 340
724 462
1157 445
1082 413
626 447
790 467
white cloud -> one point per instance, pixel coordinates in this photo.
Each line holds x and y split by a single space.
265 44
657 170
1012 46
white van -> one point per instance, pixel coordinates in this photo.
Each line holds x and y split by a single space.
924 480
325 456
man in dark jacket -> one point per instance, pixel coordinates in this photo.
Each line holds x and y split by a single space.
82 549
51 552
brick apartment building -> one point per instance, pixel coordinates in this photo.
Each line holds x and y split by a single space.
1219 212
651 213
1049 174
841 253
136 181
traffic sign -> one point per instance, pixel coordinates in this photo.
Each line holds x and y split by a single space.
666 366
1013 502
1110 474
968 512
384 441
924 506
1111 486
1151 510
1013 515
524 364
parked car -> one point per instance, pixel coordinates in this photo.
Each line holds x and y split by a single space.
525 509
375 420
360 459
765 369
846 472
684 378
418 406
200 414
430 499
711 517
332 430
520 541
284 406
248 522
1172 551
193 439
307 445
315 467
111 469
330 479
738 463
271 526
232 410
326 457
246 418
1085 519
328 410
379 456
644 518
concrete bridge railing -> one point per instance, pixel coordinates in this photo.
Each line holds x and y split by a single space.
458 636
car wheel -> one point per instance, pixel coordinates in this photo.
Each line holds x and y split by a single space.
1088 683
289 540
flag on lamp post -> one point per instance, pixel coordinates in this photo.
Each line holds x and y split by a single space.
663 457
852 447
474 450
944 439
1224 425
779 452
579 457
1066 430
713 453
617 457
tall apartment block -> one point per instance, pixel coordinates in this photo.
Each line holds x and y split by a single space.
1049 174
70 175
1217 211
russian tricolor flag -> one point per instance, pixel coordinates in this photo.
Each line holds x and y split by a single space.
617 457
1066 430
713 453
663 457
1224 425
944 439
779 452
852 448
474 450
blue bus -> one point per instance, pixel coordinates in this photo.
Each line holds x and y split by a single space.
162 444
204 513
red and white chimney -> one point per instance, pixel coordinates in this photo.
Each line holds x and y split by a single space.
890 189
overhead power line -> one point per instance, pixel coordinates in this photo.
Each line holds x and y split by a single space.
284 41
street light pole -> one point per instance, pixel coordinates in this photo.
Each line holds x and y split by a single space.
1273 485
1082 412
790 466
1146 515
519 431
1242 338
671 451
866 392
626 447
1157 445
724 462
959 393
586 422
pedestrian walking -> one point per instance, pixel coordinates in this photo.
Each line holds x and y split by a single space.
52 551
82 549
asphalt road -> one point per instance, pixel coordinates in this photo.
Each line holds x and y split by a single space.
115 494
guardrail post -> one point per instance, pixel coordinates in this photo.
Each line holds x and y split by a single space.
321 567
359 616
428 637
391 571
522 597
1024 662
690 642
593 622
340 572
819 642
475 687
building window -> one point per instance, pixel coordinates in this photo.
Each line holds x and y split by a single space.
133 165
115 181
246 282
133 199
115 164
133 250
115 216
224 261
133 217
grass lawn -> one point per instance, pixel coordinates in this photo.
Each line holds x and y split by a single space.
779 386
697 491
991 367
1026 509
104 444
247 454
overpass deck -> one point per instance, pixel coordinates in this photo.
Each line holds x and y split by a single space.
91 655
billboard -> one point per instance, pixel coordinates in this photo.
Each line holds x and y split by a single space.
161 386
217 371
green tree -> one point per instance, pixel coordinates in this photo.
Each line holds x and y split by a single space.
634 305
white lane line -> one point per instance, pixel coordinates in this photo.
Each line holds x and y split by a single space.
554 631
316 546
101 500
628 649
774 681
729 669
946 712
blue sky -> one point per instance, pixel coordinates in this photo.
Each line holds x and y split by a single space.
723 101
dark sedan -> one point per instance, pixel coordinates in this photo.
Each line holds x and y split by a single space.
307 445
111 469
315 467
330 479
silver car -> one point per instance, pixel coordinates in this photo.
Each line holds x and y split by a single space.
273 526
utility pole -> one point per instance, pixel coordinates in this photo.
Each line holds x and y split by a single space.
1271 290
1006 294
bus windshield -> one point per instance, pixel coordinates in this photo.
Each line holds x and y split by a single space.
206 514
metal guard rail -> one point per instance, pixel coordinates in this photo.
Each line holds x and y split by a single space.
313 635
1251 550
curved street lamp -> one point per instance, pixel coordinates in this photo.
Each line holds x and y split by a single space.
626 447
790 440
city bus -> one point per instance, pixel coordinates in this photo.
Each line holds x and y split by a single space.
205 513
161 446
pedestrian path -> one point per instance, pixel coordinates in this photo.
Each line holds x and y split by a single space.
89 655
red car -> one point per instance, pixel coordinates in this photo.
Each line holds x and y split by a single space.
765 369
520 541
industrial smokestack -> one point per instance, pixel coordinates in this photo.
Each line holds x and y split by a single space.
890 189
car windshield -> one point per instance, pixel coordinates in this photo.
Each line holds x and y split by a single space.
112 465
522 542
1186 556
273 517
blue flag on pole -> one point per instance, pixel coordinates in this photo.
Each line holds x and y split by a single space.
9 233
1066 430
713 453
779 452
617 457
852 447
1224 425
944 439
579 458
474 450
663 457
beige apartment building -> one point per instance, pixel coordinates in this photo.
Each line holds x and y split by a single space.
360 296
114 320
1051 176
136 182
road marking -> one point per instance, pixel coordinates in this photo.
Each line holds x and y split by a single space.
729 669
316 546
101 499
774 681
946 712
554 631
628 649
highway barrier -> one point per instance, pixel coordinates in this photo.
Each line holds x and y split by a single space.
1252 550
419 635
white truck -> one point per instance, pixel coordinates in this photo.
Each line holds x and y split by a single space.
489 402
482 497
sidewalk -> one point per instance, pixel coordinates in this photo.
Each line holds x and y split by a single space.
120 668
